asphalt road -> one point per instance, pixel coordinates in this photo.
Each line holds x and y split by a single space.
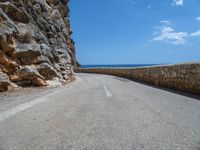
100 112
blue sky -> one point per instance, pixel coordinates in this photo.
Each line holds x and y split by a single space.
136 31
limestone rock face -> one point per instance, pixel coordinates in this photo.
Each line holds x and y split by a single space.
5 83
35 43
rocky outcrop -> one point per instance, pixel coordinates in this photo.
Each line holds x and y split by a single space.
35 43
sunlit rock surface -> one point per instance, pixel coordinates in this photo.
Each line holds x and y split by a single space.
35 43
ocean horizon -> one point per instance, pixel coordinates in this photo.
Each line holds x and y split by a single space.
118 65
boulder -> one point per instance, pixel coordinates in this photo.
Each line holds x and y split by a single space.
7 62
34 30
47 71
27 53
5 84
29 73
39 82
54 83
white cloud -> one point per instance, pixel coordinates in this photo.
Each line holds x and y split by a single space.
169 35
197 33
198 18
166 33
166 22
177 2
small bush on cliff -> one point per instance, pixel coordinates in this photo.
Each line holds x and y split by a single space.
28 37
25 38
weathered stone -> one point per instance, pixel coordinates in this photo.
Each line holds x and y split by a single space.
39 82
42 59
47 71
183 71
7 27
5 45
47 51
28 53
3 76
33 29
29 73
5 61
37 8
13 12
36 33
183 77
43 4
194 71
174 75
5 84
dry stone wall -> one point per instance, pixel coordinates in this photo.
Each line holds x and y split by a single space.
35 43
183 77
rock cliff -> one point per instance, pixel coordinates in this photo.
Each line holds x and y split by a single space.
35 43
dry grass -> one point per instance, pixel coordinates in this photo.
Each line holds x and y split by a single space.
28 37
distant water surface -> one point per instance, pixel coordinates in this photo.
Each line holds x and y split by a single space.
119 66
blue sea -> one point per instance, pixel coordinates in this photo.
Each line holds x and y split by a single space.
119 66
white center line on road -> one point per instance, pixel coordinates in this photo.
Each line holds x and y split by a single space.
11 112
107 91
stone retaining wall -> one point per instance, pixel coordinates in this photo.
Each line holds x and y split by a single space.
183 77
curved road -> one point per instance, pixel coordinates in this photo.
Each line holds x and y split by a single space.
101 112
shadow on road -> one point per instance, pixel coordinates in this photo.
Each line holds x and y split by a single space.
194 96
